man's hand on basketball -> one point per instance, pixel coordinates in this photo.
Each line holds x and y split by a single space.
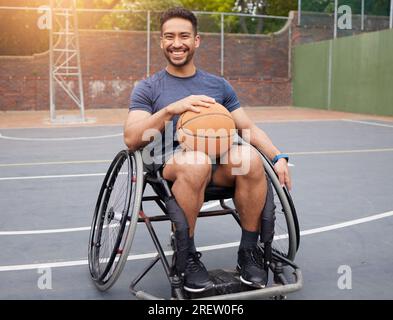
190 103
282 170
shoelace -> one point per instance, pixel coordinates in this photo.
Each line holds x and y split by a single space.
193 263
253 257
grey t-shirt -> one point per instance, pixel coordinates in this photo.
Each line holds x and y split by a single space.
162 89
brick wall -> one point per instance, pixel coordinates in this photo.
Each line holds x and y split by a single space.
112 61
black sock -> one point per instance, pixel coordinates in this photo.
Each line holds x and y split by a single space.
249 239
191 245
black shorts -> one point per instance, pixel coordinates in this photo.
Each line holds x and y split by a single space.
159 162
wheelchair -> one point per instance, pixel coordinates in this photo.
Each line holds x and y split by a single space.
119 210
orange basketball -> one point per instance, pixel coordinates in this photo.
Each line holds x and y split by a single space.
211 131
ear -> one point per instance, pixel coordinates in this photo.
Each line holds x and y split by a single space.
161 45
197 41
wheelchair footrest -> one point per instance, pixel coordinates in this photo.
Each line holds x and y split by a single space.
225 282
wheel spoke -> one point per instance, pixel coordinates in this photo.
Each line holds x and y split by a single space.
112 225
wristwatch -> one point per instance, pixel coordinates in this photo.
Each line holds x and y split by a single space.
279 156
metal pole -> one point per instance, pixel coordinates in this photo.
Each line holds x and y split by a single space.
67 36
330 67
362 19
335 19
391 15
51 84
290 51
148 45
222 45
80 78
299 12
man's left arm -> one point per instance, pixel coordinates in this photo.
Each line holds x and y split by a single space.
260 140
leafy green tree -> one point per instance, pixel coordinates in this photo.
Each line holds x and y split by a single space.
91 19
209 5
263 7
137 19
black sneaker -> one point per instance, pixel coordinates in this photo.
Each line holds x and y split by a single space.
196 277
250 267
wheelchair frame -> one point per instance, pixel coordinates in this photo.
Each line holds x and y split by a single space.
132 214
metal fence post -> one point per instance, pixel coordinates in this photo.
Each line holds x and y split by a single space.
299 12
391 15
222 44
362 19
78 56
290 51
335 19
148 45
51 81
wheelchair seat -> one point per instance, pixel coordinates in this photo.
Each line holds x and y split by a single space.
214 192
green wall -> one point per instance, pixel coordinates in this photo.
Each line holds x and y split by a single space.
361 74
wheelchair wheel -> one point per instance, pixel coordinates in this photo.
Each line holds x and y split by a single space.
286 230
115 218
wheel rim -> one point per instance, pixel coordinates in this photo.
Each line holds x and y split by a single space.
285 241
282 243
111 219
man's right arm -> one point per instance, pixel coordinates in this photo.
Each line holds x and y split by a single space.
139 121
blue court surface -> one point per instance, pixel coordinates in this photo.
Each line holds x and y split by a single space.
342 189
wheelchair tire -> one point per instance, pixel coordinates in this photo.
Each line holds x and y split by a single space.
287 235
115 218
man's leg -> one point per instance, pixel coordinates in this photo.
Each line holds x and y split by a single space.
250 182
242 167
190 173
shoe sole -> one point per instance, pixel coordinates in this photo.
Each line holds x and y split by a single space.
197 290
249 283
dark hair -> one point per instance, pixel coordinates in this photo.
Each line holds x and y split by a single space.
179 12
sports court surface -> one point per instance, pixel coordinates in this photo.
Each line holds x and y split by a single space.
341 164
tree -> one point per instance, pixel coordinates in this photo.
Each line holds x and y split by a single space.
250 7
268 7
90 20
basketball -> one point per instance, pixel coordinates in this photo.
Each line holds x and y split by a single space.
211 131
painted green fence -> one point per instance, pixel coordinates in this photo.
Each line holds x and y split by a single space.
352 74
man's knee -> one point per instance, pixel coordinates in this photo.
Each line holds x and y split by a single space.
246 161
190 166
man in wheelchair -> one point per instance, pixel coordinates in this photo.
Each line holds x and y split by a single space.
156 104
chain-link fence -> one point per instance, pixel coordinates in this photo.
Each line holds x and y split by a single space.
346 17
21 35
120 47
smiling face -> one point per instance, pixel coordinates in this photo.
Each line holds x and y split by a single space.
179 41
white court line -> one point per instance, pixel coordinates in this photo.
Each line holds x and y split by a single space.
369 123
205 248
306 153
48 231
52 163
107 161
54 176
60 139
